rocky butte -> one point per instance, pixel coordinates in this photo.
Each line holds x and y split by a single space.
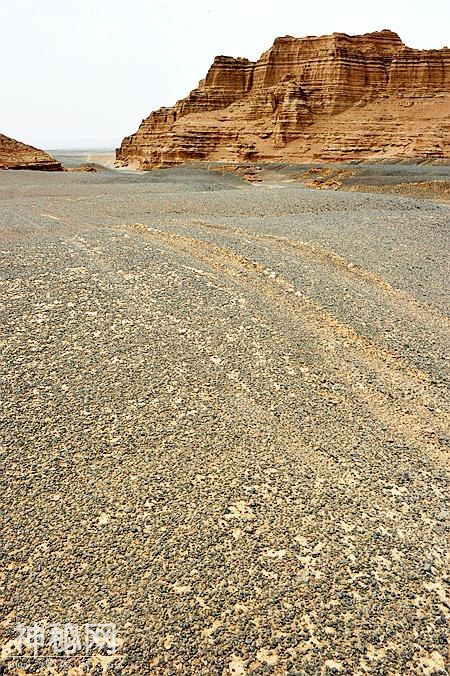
335 97
16 155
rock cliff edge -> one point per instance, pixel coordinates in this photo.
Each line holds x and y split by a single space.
335 97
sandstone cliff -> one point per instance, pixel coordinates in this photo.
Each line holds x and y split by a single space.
16 155
333 97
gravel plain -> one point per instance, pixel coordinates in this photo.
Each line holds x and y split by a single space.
224 424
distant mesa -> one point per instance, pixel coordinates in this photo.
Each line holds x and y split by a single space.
16 155
336 97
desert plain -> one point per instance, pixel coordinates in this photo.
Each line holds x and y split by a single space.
225 418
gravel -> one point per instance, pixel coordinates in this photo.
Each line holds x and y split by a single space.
224 422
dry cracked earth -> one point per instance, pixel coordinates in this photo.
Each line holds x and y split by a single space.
224 424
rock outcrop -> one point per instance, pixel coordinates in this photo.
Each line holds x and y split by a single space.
16 155
329 98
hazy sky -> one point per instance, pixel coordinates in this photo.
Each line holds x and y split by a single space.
83 73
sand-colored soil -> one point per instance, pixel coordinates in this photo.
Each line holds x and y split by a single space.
224 423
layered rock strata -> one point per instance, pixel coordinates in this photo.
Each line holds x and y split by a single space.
16 155
333 97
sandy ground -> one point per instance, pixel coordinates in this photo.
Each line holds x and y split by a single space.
224 423
74 158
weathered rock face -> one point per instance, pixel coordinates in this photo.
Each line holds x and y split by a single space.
16 155
332 97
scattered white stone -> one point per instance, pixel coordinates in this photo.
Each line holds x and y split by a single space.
236 666
239 510
275 554
332 664
269 657
181 589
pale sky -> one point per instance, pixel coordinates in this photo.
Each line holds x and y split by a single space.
83 73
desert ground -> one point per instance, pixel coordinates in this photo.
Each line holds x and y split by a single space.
225 421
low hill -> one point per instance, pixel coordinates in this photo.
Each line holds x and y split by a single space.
17 155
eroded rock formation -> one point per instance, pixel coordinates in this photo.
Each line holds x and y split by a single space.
333 97
16 155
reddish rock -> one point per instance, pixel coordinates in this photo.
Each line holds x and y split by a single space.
332 97
16 155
